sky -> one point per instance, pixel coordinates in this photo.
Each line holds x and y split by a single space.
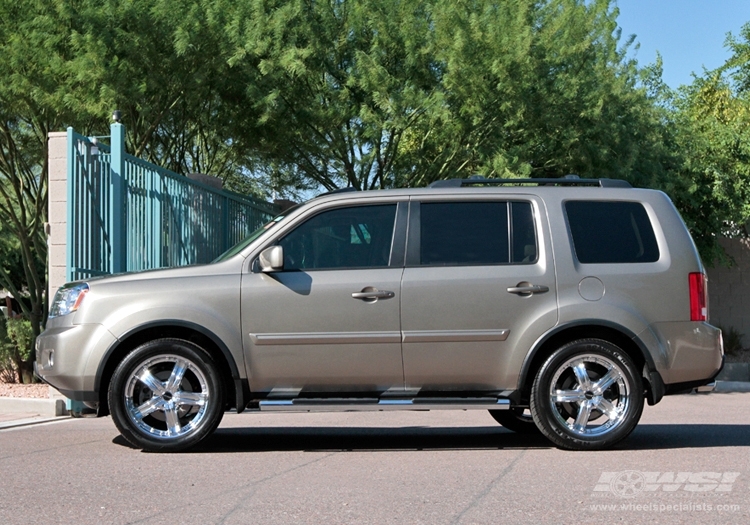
689 34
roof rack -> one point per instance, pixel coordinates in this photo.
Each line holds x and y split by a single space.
602 183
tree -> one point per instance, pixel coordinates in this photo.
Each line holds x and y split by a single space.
538 89
331 86
66 63
378 94
710 145
27 113
158 62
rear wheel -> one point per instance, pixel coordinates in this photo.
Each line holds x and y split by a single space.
166 395
518 420
587 395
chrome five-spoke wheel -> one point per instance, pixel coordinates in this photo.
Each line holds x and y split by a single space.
166 395
587 395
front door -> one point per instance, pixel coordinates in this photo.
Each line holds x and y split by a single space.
329 322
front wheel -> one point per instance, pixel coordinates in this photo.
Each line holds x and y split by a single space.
587 395
166 395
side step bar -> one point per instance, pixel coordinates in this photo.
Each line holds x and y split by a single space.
375 404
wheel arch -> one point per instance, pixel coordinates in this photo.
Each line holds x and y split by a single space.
598 329
237 389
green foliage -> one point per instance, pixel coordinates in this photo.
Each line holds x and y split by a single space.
282 96
158 62
7 369
375 94
10 256
331 86
21 336
710 140
66 63
16 347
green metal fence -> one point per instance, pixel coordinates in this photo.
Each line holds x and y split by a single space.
125 214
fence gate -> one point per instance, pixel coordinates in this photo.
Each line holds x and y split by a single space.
125 214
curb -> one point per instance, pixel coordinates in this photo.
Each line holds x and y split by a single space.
30 421
725 387
24 405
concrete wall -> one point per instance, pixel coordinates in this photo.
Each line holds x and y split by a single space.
57 210
729 289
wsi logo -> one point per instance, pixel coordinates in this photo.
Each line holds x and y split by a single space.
630 483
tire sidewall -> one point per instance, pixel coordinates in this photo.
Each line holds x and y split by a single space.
135 359
541 407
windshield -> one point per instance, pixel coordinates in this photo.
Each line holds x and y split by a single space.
237 248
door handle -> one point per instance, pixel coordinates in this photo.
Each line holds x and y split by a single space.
371 294
525 289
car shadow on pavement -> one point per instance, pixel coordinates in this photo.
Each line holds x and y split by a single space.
344 439
349 439
659 437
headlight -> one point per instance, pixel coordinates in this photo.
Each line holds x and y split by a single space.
68 299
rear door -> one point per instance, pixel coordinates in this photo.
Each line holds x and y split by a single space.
479 283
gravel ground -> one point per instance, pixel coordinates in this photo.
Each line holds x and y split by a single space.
38 390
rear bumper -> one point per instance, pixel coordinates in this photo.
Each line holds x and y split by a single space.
692 353
702 385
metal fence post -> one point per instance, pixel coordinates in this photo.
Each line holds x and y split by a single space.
117 199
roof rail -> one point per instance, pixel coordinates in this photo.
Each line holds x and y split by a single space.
603 183
337 190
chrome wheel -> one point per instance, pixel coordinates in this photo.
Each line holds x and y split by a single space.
587 395
590 395
166 395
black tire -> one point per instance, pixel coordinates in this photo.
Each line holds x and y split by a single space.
576 387
166 395
518 420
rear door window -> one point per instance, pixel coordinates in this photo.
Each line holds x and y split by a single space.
476 233
611 232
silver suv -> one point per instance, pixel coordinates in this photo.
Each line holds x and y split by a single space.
558 305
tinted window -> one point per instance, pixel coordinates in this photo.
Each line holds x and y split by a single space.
611 232
357 237
524 238
476 233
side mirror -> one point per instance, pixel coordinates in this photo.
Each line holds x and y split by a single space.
271 259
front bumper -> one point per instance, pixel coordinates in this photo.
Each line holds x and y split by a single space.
68 358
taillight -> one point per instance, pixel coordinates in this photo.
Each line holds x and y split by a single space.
698 297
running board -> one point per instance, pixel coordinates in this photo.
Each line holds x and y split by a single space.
375 404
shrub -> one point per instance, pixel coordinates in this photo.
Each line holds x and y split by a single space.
16 345
8 372
732 340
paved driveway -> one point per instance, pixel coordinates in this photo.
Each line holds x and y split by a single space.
687 462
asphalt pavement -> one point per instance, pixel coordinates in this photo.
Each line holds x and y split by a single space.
688 461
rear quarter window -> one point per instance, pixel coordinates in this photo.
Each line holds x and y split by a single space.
611 232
